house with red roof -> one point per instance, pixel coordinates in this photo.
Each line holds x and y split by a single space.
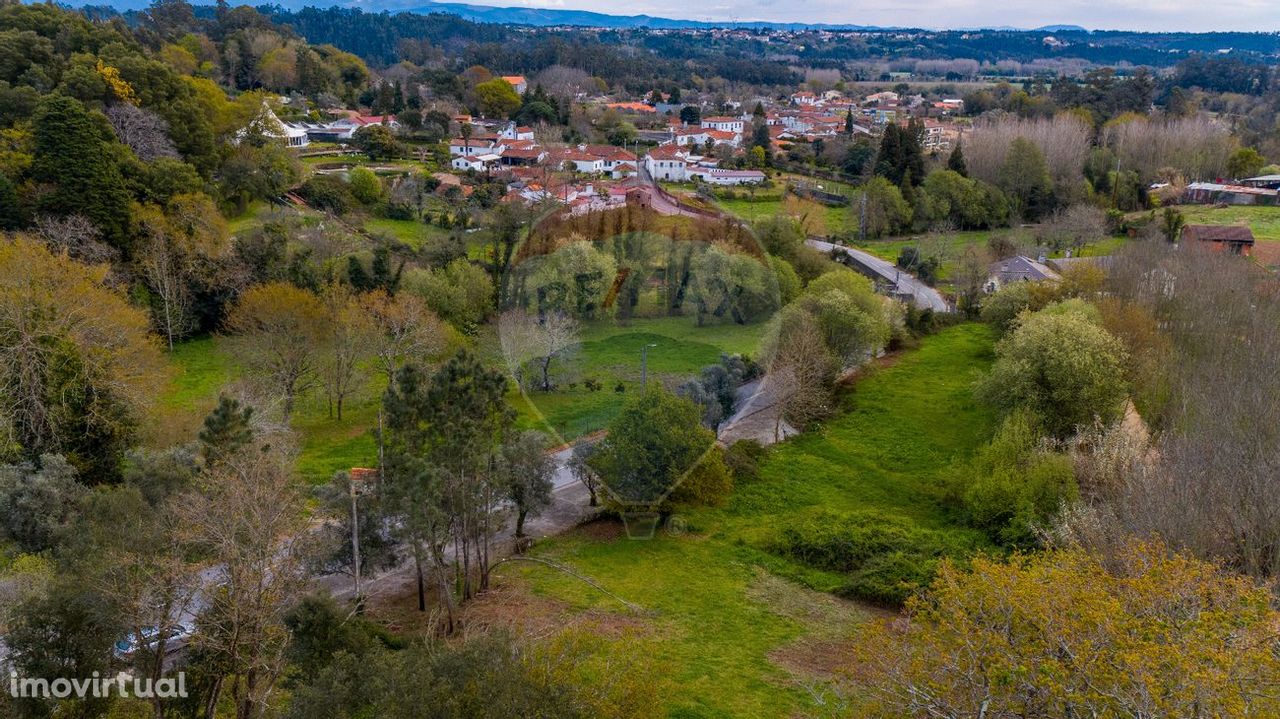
518 82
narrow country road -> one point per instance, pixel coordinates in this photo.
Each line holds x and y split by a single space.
657 197
904 283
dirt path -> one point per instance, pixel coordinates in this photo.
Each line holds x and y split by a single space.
569 508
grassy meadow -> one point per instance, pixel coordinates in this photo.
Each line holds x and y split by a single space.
1264 221
608 352
737 628
611 354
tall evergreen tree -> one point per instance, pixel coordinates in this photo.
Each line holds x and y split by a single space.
226 429
955 162
73 154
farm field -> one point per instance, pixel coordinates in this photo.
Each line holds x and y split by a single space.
413 233
734 626
829 219
611 355
608 353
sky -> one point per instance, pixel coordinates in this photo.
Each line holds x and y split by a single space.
1150 15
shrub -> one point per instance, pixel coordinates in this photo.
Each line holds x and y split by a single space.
709 483
743 459
886 558
326 192
400 211
365 186
1015 483
1062 365
1001 309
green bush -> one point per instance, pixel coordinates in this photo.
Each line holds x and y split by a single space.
743 458
1061 364
365 185
1015 483
890 578
886 558
1003 307
326 192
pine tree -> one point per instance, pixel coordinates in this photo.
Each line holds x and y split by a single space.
955 162
226 429
357 276
848 122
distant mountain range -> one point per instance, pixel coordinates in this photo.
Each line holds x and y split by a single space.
541 17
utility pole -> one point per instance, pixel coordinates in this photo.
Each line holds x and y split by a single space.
355 542
644 365
357 484
862 218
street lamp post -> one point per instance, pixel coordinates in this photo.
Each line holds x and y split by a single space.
644 364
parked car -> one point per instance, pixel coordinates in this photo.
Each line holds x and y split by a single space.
129 645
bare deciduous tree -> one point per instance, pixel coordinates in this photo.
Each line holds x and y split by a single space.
406 330
276 330
145 132
1208 485
248 517
801 370
350 339
1074 227
164 272
1064 141
1197 147
525 338
77 236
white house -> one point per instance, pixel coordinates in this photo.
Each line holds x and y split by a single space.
585 162
344 128
667 162
479 163
804 97
459 147
513 132
267 124
716 176
518 82
687 137
724 124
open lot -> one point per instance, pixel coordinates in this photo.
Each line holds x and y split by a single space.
736 628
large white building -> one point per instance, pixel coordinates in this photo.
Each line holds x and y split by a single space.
724 124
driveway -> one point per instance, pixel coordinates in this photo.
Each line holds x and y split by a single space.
904 283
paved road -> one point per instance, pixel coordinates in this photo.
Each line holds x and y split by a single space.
658 201
904 284
757 417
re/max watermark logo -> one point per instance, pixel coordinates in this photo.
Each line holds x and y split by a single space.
98 687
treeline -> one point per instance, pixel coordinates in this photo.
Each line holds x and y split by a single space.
383 38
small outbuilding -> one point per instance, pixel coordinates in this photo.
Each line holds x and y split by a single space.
1234 239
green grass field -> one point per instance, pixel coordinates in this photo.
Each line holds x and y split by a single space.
203 367
1265 221
835 219
730 632
411 232
611 354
